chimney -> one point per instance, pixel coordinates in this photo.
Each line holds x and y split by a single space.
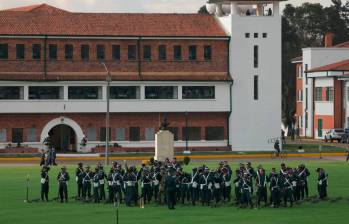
329 39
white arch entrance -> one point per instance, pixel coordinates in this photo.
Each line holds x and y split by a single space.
65 121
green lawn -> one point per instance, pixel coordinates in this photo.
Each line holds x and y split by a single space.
14 211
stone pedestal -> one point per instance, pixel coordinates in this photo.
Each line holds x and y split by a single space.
164 147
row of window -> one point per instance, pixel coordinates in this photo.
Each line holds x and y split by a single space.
190 134
324 94
256 35
100 52
116 92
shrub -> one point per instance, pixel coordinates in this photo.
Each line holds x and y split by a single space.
186 160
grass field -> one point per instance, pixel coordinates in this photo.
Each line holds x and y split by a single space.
14 211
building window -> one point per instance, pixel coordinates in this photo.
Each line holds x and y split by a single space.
3 51
100 52
147 52
198 92
306 70
135 134
177 52
68 51
193 133
255 56
92 134
207 52
161 92
255 35
132 52
265 35
318 93
120 134
45 92
192 52
103 134
116 52
3 135
84 92
174 131
149 134
32 135
52 51
17 135
300 71
255 87
247 35
214 133
347 93
11 93
124 92
36 51
329 94
300 95
85 52
162 52
20 51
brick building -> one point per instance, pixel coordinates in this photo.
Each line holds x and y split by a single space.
322 89
53 78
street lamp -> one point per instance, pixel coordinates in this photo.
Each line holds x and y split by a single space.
186 132
108 80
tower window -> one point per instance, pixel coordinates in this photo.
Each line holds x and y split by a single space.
68 51
3 51
255 56
177 52
265 35
85 52
52 51
131 52
162 52
20 51
255 87
255 35
247 35
147 52
116 52
36 51
207 52
192 52
100 52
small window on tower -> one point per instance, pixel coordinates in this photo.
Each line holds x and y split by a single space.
247 35
255 87
265 35
255 35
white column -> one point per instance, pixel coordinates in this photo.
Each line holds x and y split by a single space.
234 8
25 93
276 9
142 93
65 93
104 92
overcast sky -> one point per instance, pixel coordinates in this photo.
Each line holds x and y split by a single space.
186 6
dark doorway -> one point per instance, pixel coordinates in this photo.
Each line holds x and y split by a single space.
63 138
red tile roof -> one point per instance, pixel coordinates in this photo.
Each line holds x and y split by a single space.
47 20
338 66
343 45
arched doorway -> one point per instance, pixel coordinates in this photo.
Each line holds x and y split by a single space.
63 138
76 138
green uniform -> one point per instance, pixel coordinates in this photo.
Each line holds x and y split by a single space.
86 185
194 187
63 178
275 189
261 181
322 185
288 190
170 187
227 186
245 186
130 180
96 192
44 185
79 174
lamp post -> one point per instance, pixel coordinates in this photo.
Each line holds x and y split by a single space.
108 80
186 132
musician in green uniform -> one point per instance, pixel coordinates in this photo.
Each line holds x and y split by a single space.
79 173
44 183
170 187
63 178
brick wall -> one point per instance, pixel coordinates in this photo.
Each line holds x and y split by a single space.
117 120
217 64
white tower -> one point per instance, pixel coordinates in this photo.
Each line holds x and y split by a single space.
255 66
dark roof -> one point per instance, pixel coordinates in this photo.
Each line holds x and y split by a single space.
47 20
